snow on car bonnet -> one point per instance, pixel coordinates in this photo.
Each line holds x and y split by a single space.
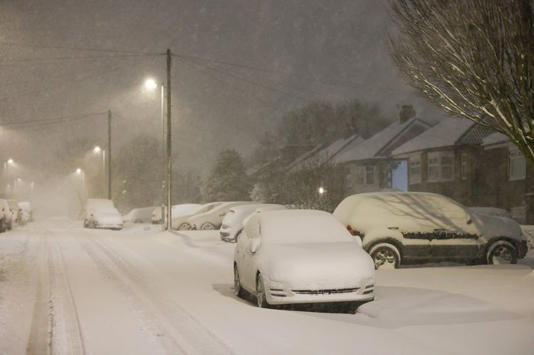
301 226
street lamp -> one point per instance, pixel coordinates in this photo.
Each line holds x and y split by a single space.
151 85
97 149
321 190
10 161
79 171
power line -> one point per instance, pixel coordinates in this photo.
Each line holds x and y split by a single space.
86 49
60 119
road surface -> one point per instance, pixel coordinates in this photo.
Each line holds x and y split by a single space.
69 290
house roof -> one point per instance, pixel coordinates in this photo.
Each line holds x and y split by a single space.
495 138
320 156
381 143
446 133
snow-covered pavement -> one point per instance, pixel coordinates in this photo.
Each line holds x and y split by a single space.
67 290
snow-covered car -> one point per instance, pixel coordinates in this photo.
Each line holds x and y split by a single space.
236 218
139 215
490 211
6 216
406 227
183 209
181 222
301 256
15 211
101 213
26 211
212 219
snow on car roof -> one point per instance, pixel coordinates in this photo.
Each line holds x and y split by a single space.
404 210
301 226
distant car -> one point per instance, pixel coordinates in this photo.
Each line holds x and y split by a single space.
139 215
26 212
181 222
301 256
179 210
406 227
490 211
212 219
15 211
101 213
236 218
6 216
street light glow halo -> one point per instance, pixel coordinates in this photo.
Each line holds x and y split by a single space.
150 84
97 149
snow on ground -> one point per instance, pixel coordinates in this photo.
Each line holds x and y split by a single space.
66 290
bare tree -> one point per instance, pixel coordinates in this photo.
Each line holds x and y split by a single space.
473 58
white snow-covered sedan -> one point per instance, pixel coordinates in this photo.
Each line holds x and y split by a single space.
301 256
101 213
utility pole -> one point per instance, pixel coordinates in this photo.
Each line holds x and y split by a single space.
169 144
109 154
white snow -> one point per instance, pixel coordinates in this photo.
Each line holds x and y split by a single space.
445 134
140 291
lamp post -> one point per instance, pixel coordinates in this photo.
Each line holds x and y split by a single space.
151 85
7 164
97 150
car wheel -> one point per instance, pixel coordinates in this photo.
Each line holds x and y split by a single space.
206 226
184 227
261 300
2 226
385 256
85 224
501 252
10 226
238 290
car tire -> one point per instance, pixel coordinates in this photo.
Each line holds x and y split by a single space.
10 226
501 252
206 226
238 290
2 226
385 256
261 300
85 223
184 227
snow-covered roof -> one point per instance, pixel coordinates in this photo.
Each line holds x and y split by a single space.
445 134
317 157
377 145
495 138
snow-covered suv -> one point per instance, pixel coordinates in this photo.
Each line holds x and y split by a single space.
6 216
406 227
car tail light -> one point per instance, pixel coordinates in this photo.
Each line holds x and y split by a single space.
351 231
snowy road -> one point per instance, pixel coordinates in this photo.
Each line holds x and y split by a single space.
66 290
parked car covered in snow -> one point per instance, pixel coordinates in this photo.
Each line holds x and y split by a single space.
15 211
301 256
26 211
101 213
212 219
181 221
236 218
406 227
6 216
139 215
183 209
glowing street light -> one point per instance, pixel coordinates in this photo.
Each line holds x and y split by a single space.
150 84
97 149
79 171
321 190
10 161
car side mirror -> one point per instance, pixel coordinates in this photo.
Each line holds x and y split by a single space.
254 245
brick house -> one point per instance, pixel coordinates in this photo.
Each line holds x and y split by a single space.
368 163
472 165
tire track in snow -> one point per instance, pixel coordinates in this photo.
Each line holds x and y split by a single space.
55 325
138 301
194 337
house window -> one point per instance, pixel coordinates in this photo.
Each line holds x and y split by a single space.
440 166
369 175
364 175
517 164
465 166
415 169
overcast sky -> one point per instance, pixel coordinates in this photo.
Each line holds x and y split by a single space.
266 58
